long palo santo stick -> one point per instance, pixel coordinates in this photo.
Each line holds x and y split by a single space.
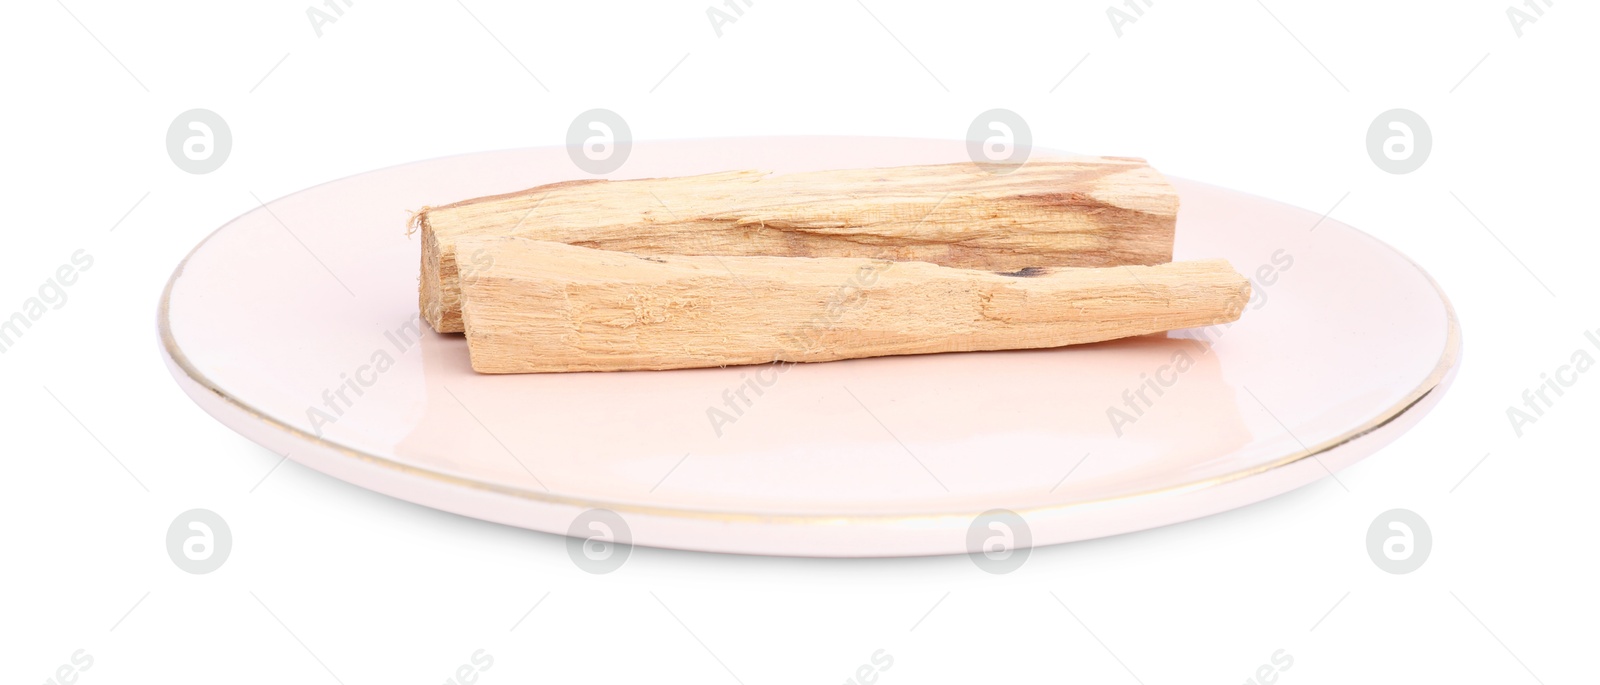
544 306
1075 211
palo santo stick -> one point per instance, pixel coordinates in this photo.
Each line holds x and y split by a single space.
1079 211
544 307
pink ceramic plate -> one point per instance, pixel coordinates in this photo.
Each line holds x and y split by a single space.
295 325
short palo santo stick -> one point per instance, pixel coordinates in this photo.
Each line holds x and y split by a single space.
547 307
1072 211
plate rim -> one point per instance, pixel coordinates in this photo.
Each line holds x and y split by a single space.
1436 379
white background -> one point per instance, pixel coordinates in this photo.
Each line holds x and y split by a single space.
1272 99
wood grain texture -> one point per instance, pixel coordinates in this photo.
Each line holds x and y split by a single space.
547 307
1074 211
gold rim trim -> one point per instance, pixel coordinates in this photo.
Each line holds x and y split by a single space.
1442 368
